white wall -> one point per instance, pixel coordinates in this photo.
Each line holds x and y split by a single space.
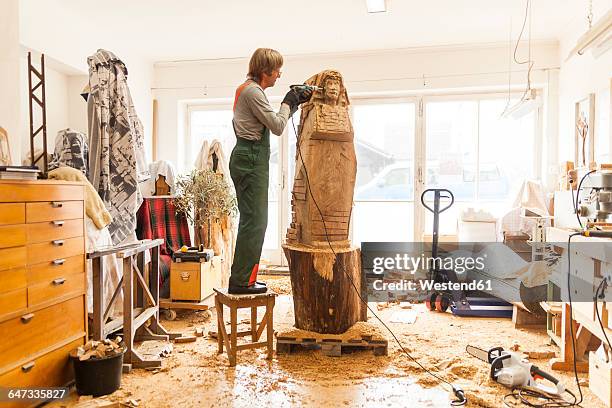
579 76
70 38
10 74
445 69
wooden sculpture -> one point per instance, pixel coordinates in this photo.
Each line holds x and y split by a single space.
323 265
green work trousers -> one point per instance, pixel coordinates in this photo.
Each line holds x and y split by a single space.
249 168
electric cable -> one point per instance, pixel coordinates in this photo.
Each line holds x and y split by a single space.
529 61
578 196
571 310
459 393
523 394
602 286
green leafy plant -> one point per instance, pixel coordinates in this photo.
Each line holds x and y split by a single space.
204 197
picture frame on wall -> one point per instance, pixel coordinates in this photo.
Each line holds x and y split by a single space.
5 151
584 131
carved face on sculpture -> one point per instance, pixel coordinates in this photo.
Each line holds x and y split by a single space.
332 90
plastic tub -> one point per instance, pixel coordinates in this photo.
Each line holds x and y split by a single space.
98 377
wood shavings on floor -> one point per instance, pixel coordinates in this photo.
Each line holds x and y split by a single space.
194 375
356 332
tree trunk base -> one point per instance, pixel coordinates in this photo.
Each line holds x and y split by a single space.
324 299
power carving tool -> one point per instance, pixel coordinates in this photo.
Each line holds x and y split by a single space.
511 370
304 87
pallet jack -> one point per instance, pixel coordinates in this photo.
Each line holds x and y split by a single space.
461 303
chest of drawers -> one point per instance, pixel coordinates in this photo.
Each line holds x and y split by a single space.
42 281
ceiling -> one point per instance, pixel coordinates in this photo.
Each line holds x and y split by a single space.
163 30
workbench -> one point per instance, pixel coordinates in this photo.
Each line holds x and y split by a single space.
589 263
140 300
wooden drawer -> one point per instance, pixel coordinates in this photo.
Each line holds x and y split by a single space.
12 258
12 279
47 271
12 213
53 369
12 236
12 192
53 210
13 301
57 229
56 249
57 287
30 333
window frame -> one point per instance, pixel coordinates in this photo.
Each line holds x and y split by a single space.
420 100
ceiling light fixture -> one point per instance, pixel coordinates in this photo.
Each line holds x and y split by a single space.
376 6
597 37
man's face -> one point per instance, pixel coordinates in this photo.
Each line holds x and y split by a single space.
268 80
332 89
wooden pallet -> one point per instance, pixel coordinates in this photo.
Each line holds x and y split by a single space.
331 346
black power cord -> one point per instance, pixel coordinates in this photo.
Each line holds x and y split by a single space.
571 310
458 392
525 394
602 286
578 196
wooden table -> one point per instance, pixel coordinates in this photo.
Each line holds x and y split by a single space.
140 300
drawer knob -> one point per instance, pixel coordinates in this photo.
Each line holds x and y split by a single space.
25 319
55 204
185 276
58 242
27 367
59 261
58 223
59 281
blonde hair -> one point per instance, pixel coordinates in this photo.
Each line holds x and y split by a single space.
264 60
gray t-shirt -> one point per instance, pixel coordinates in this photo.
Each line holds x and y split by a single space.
253 112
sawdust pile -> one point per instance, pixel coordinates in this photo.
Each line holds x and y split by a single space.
278 284
356 332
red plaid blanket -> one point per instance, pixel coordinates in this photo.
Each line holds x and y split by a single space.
157 218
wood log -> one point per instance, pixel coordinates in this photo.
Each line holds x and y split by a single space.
324 299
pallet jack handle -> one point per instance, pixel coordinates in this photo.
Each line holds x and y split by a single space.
438 194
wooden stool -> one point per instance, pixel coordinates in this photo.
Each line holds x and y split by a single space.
235 302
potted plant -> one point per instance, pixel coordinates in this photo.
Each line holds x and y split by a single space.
205 198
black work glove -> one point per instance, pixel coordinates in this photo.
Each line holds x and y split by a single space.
293 100
304 95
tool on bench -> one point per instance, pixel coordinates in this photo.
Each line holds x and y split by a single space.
511 370
477 304
193 254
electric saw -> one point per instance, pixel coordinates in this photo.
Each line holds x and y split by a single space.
513 371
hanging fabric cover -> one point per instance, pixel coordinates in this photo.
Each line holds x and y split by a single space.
116 143
71 150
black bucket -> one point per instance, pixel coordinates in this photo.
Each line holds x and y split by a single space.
98 377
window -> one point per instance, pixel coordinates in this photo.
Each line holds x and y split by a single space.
384 189
479 156
208 125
